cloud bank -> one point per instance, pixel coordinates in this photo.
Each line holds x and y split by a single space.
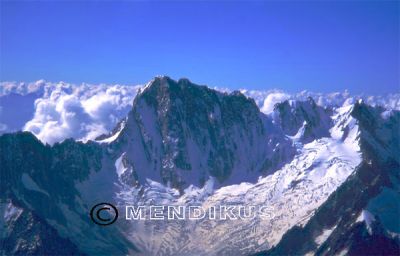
56 111
63 110
266 100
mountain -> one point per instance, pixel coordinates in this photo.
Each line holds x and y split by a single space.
25 233
179 133
40 190
329 177
292 193
304 120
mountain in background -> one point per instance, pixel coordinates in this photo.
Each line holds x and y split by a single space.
330 174
58 111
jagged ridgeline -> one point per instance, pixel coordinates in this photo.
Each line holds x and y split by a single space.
332 176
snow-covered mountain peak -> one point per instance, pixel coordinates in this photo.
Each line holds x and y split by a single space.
181 133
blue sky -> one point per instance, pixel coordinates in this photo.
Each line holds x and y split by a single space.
293 45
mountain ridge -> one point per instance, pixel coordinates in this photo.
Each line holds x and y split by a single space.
182 122
152 157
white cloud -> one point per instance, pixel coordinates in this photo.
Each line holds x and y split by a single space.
271 100
82 112
267 99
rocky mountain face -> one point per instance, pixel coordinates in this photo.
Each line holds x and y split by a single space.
42 205
179 133
304 120
330 176
27 234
